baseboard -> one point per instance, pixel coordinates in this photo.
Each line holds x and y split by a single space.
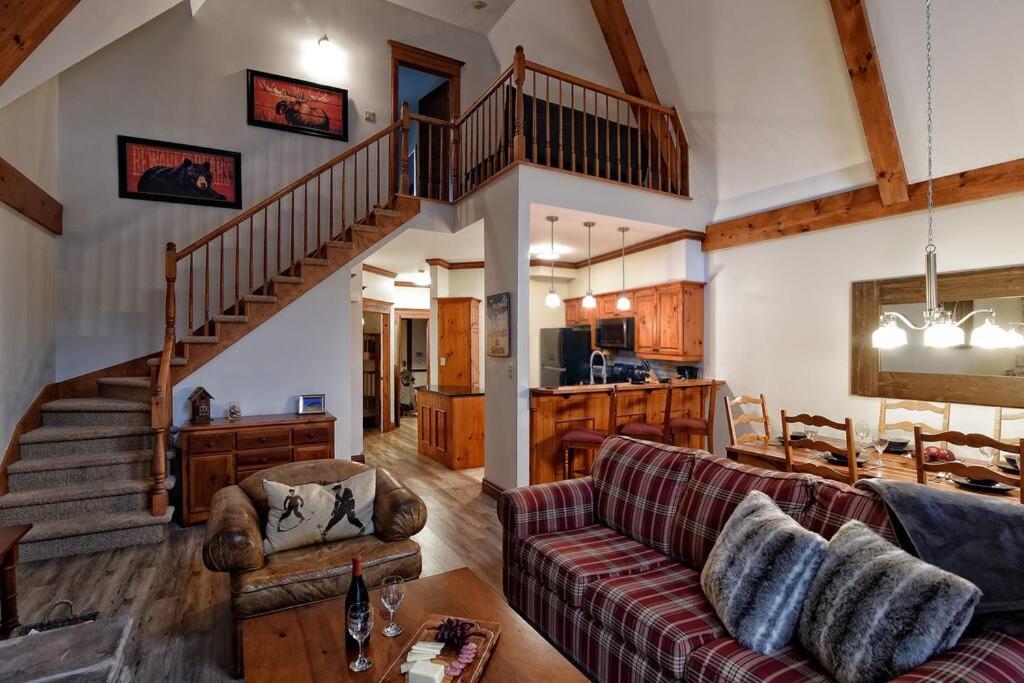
490 489
32 419
359 457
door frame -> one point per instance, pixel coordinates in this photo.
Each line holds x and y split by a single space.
383 308
403 54
401 315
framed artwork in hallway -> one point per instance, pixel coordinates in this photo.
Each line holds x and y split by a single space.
498 339
183 174
296 106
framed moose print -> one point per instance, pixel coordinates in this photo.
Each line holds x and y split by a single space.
296 106
184 174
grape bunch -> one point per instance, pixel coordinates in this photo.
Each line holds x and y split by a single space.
454 632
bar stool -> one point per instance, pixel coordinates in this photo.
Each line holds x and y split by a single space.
587 439
694 426
650 431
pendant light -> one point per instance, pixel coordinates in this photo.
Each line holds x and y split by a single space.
941 329
623 303
588 301
552 300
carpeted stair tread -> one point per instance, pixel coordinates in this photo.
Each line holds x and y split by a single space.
78 461
57 433
138 382
63 528
63 494
95 405
175 361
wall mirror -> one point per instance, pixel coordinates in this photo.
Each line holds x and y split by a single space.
962 374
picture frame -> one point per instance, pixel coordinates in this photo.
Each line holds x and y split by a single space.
498 323
296 106
312 404
161 171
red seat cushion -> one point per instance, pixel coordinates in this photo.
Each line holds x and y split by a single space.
715 489
568 561
834 503
637 487
642 430
727 660
662 614
585 436
682 424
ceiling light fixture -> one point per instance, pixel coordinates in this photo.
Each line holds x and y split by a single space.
941 329
552 300
588 301
623 303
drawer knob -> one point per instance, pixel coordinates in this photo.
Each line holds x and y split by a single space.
209 444
263 439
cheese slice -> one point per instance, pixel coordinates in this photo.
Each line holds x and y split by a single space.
419 656
428 646
426 672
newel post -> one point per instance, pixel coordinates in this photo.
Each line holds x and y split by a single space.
403 184
519 135
161 405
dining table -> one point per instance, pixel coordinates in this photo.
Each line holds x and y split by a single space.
893 466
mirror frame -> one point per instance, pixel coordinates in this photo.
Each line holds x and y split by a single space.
866 376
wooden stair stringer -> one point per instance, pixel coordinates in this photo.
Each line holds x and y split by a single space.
312 275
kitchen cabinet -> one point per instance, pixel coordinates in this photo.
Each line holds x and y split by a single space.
670 321
606 305
458 336
450 425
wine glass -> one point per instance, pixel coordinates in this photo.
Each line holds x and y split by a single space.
392 593
862 431
360 622
881 442
991 455
811 431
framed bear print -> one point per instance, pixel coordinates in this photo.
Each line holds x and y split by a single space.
183 174
296 106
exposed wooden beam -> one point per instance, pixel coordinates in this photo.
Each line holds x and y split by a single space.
624 48
851 17
379 271
28 199
23 26
865 204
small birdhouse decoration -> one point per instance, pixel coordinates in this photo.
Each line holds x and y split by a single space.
200 400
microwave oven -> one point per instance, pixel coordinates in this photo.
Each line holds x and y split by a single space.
615 333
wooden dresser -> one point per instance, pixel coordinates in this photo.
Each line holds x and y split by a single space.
225 452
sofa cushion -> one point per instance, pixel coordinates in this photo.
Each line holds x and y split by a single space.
727 660
759 571
662 614
715 489
567 562
984 658
637 488
874 612
320 572
834 503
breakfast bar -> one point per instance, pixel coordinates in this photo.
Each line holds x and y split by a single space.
556 410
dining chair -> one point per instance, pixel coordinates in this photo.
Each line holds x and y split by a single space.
642 429
1003 415
849 474
702 425
747 418
960 468
586 439
887 405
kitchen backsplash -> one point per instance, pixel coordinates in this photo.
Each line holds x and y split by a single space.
661 367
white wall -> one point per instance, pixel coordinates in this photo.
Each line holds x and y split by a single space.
681 260
27 259
778 313
109 291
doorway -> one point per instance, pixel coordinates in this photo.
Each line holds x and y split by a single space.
413 355
430 83
376 370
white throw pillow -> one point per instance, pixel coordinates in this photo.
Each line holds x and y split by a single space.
310 513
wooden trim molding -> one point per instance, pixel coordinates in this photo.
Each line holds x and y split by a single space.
455 265
412 313
28 199
443 65
491 489
868 379
653 243
864 204
406 283
32 419
851 18
24 24
379 271
376 306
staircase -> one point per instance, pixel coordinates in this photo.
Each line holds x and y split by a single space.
83 479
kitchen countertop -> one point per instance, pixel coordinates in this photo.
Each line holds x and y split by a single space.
621 386
451 390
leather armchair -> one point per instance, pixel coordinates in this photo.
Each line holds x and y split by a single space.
261 584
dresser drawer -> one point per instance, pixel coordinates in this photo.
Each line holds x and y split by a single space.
307 435
312 452
213 442
264 438
264 458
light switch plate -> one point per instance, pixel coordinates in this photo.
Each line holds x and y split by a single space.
369 116
511 374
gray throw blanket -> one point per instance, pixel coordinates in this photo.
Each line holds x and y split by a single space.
980 538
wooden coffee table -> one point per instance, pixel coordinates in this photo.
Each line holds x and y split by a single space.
308 643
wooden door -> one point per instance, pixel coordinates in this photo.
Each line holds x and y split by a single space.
647 322
458 340
208 474
431 147
693 320
670 320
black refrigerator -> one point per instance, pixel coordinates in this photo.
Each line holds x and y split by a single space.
564 356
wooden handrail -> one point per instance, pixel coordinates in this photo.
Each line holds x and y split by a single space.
431 120
291 187
597 87
495 85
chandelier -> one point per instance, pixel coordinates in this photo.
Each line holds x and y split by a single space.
941 329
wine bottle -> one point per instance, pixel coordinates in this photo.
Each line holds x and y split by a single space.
356 593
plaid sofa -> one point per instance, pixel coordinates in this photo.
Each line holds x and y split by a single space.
608 567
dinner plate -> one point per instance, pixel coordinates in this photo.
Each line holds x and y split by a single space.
841 460
1008 469
994 487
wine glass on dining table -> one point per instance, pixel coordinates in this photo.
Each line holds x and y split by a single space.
360 623
880 442
392 593
862 431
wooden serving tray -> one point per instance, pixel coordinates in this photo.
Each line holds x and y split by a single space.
484 634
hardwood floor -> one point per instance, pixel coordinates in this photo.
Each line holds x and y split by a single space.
181 611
